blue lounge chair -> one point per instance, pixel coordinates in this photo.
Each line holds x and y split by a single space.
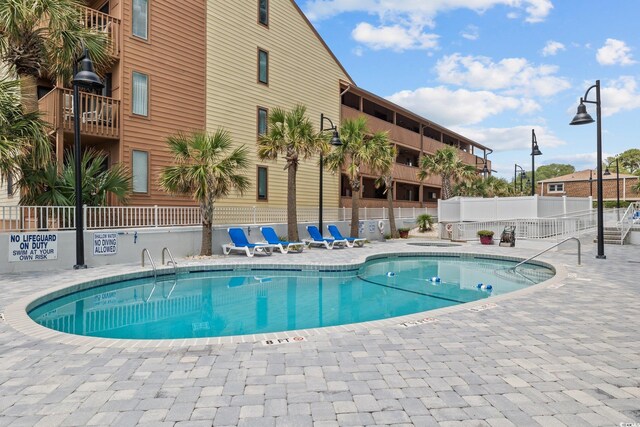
318 240
239 243
271 238
351 241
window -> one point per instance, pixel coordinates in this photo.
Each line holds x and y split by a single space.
140 18
140 94
263 12
263 66
556 188
140 171
262 120
262 183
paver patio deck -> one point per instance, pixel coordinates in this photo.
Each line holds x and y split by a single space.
560 354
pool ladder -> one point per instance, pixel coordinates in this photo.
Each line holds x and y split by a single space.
155 270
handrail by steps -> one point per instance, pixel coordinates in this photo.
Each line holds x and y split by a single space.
153 264
171 260
553 246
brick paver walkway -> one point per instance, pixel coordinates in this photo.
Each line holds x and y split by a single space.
567 354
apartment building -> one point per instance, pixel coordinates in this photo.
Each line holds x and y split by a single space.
584 184
414 136
192 65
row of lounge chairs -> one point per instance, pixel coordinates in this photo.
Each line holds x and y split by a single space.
240 243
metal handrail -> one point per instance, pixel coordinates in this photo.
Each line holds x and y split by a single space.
625 224
153 264
175 270
553 246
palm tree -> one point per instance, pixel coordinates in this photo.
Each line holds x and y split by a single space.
46 186
290 135
446 163
360 148
205 170
23 136
386 160
42 39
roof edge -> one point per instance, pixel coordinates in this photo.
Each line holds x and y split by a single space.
322 40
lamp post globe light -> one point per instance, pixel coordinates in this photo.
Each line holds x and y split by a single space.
86 78
535 151
583 118
335 141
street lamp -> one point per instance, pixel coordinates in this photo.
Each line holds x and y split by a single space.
485 169
515 176
583 118
606 173
535 151
591 182
335 141
87 78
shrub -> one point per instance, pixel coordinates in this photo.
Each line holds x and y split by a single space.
425 222
404 229
485 233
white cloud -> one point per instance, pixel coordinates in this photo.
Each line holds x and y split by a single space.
580 161
621 94
459 107
511 75
422 10
614 52
394 37
513 138
471 32
552 47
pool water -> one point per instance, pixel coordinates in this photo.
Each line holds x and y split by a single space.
259 300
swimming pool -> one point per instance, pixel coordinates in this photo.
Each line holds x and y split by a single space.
258 299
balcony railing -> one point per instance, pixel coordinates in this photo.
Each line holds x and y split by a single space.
99 115
106 24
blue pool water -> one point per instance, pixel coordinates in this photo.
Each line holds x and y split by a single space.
259 300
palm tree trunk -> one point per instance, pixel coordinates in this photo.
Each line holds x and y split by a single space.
207 220
292 214
205 249
355 208
446 187
392 216
28 93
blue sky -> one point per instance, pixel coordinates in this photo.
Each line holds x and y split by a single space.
493 70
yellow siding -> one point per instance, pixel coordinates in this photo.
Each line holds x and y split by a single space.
301 71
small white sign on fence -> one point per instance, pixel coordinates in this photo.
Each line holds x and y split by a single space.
105 243
33 247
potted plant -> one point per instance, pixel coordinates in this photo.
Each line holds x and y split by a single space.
425 222
404 232
486 237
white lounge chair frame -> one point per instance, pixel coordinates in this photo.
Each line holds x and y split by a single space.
266 249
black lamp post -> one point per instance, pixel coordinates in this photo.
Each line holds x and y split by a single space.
535 151
485 169
335 141
591 182
515 176
583 118
607 173
86 78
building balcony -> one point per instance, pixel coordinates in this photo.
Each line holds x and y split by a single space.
396 133
99 115
106 24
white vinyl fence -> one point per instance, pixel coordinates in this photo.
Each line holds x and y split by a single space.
531 228
31 218
458 209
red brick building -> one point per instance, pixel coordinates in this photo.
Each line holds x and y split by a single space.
584 184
